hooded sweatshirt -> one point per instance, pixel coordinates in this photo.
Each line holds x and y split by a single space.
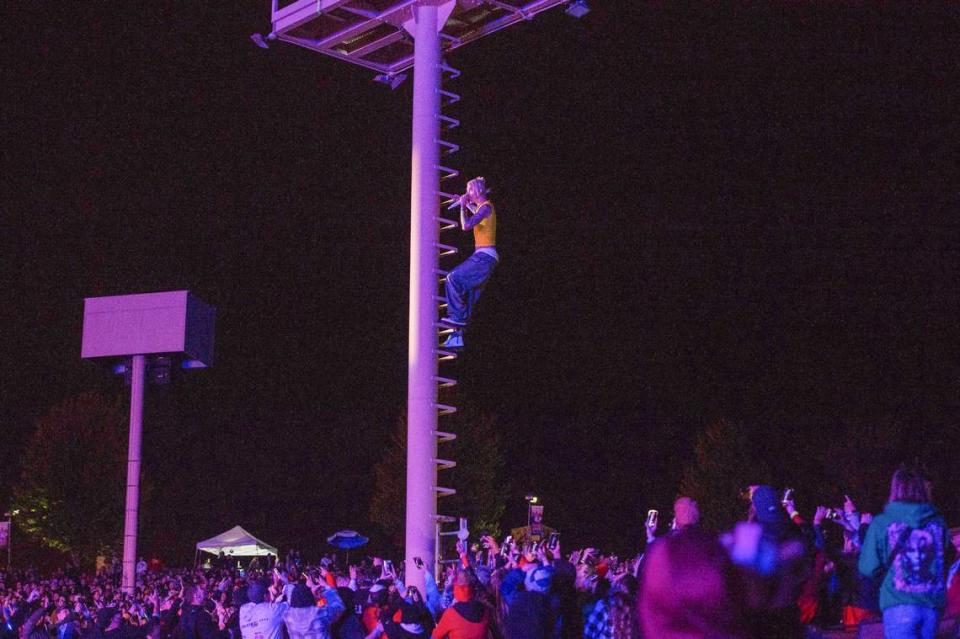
463 620
530 616
915 574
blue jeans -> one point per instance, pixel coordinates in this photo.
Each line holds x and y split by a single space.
465 283
910 622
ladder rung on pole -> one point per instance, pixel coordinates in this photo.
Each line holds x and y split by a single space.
445 464
444 382
445 409
446 249
446 68
444 437
449 200
448 97
447 172
450 147
447 224
447 123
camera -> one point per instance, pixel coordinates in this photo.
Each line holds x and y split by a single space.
652 518
834 514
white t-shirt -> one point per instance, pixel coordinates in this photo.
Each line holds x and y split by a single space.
262 620
314 622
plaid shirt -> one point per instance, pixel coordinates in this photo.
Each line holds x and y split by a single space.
598 624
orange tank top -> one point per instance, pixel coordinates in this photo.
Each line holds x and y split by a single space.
485 233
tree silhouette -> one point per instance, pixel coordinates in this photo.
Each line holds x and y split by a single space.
481 491
71 490
724 464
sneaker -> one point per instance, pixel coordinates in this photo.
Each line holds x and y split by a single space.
452 322
454 340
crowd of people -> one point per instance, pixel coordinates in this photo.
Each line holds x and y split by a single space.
776 574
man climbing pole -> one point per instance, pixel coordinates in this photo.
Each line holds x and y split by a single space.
466 281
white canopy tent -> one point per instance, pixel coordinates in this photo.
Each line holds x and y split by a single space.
236 542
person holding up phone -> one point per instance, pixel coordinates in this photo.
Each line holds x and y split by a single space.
262 618
650 525
305 619
686 515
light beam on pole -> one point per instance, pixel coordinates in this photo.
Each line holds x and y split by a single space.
137 380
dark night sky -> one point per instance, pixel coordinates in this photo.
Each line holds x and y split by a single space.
706 210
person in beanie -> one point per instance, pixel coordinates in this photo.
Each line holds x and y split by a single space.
782 563
767 511
467 618
904 547
304 619
530 615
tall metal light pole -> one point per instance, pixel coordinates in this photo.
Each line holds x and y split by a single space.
424 235
169 324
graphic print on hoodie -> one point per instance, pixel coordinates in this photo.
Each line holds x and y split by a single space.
911 575
918 567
